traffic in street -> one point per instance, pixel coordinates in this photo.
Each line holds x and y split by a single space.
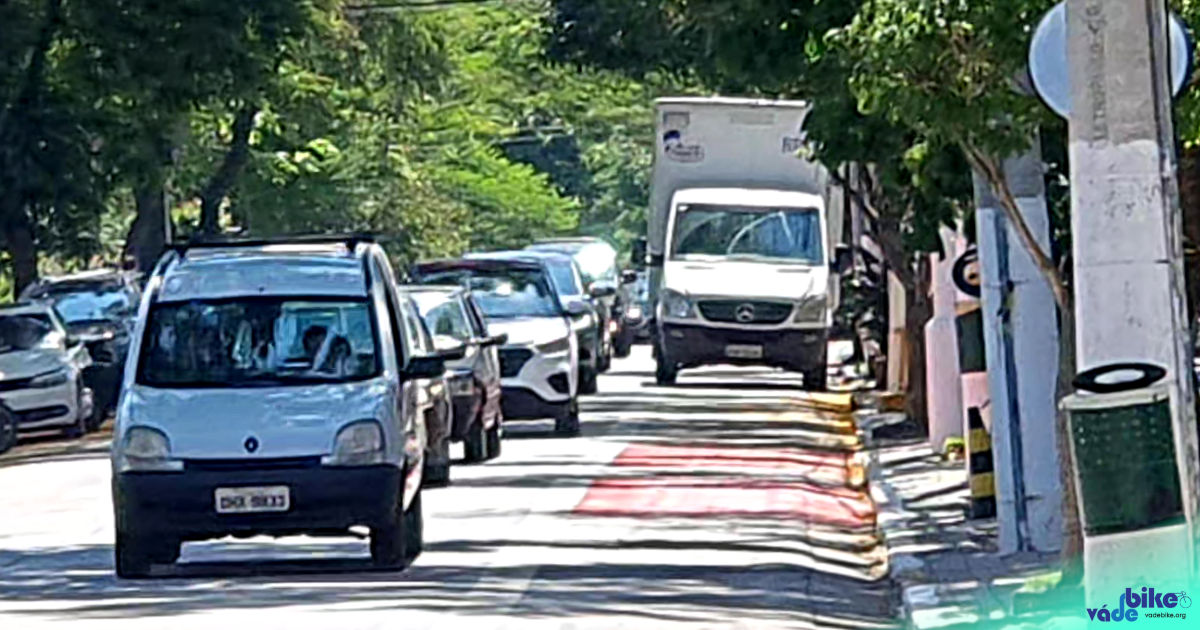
629 525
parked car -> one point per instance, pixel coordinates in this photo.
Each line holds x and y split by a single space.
456 321
433 392
276 392
98 308
639 309
595 352
539 364
598 263
41 371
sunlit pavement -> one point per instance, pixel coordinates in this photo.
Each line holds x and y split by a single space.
720 503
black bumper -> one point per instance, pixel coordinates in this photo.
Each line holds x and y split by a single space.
322 499
519 403
693 346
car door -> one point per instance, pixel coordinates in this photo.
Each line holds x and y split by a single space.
433 398
489 359
408 399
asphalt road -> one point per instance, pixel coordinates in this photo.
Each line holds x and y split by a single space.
720 503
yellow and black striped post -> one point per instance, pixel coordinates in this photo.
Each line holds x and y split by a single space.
981 468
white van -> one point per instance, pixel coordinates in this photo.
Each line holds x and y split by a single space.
269 391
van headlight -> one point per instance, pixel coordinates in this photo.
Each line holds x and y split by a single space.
49 379
677 305
146 450
357 444
811 310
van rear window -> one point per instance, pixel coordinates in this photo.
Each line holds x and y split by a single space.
259 342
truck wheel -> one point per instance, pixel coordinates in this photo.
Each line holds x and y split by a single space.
8 429
475 443
665 372
567 423
815 379
494 440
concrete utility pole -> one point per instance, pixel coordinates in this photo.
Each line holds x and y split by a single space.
1021 336
1129 283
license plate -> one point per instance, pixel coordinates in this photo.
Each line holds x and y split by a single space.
248 500
744 352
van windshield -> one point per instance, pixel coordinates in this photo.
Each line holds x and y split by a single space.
719 231
258 342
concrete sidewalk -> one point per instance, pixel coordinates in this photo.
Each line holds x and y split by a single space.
945 567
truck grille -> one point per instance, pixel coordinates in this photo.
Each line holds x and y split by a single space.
512 360
759 312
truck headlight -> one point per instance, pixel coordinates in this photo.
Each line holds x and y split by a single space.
357 444
811 310
146 450
677 305
49 379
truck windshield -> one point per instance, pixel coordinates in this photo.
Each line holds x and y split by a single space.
789 234
252 342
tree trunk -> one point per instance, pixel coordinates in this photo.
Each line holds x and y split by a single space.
918 311
148 235
1072 550
223 180
18 240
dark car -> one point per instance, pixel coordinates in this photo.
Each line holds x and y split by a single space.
598 262
565 275
98 308
455 321
433 394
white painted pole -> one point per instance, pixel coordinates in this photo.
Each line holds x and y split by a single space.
897 353
944 391
1129 295
1021 335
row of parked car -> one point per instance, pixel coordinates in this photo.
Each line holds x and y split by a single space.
307 385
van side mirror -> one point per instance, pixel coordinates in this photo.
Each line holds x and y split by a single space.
843 259
432 366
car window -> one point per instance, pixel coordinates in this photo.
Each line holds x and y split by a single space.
261 342
565 281
77 305
504 292
414 331
444 317
27 331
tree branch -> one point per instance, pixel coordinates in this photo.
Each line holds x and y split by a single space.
994 174
222 181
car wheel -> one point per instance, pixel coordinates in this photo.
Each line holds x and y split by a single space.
389 543
494 440
134 554
567 423
587 381
665 372
414 529
623 344
8 429
475 444
80 426
96 420
437 465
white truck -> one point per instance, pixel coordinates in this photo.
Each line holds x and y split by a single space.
742 246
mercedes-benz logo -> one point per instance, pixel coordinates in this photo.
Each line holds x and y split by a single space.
251 444
744 313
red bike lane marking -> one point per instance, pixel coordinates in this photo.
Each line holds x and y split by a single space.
665 489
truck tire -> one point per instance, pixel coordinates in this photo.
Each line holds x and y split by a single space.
665 372
816 378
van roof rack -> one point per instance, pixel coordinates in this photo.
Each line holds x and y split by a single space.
217 242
